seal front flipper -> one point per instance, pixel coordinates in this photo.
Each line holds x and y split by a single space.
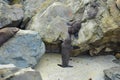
64 66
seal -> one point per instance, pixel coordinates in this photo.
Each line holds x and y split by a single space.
74 29
7 33
66 48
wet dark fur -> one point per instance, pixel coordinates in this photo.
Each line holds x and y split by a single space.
74 29
66 48
6 34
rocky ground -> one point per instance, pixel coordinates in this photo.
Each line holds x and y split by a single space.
44 24
85 67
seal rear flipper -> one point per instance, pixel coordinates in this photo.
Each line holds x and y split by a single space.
64 66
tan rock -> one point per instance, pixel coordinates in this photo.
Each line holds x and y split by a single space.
117 55
118 3
51 24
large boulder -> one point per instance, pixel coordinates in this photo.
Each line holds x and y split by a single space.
24 49
51 24
10 15
112 73
99 31
31 8
100 27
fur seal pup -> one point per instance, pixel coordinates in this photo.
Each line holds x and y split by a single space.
7 33
66 48
74 29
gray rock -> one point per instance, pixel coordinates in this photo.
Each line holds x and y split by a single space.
6 70
23 50
25 74
10 15
112 73
100 23
11 72
51 25
31 6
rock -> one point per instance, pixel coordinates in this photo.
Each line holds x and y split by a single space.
23 50
100 21
73 4
51 25
7 66
53 47
6 70
25 74
12 2
92 10
11 72
112 73
30 7
101 30
10 15
118 4
117 55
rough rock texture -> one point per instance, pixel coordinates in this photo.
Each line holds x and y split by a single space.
51 25
10 15
102 31
118 3
7 70
100 24
25 74
117 55
112 73
12 2
11 72
31 6
24 49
